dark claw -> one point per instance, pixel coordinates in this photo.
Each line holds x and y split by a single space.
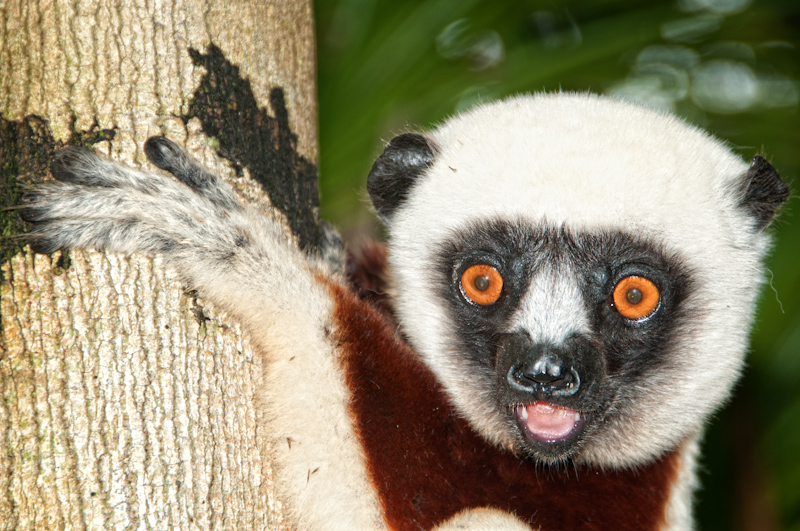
29 210
68 163
167 155
42 244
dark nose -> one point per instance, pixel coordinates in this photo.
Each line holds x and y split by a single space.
544 371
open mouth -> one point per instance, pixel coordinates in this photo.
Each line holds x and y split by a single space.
544 422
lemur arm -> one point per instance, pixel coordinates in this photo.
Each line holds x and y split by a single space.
231 253
239 259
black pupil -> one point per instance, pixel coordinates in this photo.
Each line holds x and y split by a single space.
634 296
482 283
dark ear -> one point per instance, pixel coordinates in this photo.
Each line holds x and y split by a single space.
762 191
404 159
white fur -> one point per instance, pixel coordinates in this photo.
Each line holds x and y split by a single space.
319 462
679 507
552 309
483 519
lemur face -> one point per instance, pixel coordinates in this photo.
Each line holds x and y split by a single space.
555 329
578 272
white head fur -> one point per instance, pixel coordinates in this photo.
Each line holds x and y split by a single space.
589 164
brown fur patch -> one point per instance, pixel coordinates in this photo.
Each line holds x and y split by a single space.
367 264
427 464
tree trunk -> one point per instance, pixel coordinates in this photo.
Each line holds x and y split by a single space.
126 402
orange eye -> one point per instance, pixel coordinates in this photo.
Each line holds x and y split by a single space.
482 284
635 297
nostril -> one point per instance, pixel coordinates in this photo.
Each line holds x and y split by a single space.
549 380
545 379
546 370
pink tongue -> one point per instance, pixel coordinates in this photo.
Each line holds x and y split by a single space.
550 422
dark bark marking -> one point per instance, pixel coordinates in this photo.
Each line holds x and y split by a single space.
250 138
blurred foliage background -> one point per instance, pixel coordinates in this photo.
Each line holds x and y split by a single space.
730 66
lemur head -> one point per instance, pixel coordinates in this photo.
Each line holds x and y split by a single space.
580 273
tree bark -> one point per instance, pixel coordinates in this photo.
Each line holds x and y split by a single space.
126 402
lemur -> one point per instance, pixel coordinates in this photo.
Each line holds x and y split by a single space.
572 282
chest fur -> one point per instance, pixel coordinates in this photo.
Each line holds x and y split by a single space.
426 464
